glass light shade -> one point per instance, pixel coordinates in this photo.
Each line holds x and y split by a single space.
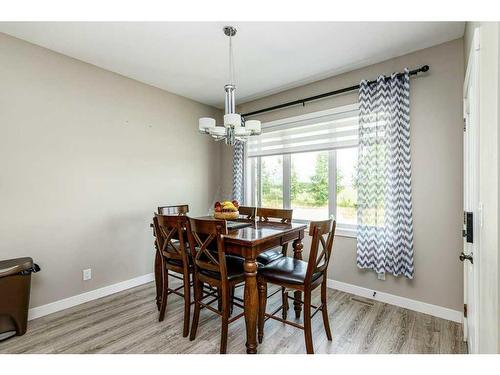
253 126
205 123
218 131
241 132
232 119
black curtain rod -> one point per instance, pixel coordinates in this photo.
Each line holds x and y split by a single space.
424 68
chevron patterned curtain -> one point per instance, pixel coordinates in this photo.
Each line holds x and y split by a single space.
238 171
385 224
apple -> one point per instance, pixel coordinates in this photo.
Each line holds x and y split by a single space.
218 207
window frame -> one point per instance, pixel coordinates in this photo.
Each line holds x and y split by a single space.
253 186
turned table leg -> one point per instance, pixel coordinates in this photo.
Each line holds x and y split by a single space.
251 304
297 254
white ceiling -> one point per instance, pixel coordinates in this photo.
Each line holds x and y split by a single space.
190 58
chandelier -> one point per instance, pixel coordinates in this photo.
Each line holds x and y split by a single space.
234 128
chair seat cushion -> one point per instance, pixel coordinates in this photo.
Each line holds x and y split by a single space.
177 262
270 256
234 266
287 270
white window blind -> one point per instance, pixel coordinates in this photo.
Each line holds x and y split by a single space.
325 130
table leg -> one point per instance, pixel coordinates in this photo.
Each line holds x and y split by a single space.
251 304
158 279
297 254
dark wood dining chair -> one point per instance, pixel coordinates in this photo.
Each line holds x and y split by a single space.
216 269
247 212
273 215
301 276
181 209
175 261
280 216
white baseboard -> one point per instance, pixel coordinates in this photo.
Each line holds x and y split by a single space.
426 308
66 303
410 304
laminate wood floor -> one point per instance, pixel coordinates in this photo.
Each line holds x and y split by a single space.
127 322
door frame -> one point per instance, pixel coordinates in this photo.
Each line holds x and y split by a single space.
471 187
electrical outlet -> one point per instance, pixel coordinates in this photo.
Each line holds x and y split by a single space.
381 276
87 274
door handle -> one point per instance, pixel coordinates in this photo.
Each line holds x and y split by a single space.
464 256
468 231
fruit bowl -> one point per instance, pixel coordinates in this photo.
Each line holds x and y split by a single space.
226 210
227 215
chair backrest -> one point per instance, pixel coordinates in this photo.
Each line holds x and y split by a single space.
321 248
275 214
182 209
169 231
247 211
202 233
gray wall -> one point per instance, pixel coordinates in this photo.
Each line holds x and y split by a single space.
86 155
436 140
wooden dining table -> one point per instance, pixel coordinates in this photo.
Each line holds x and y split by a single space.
249 242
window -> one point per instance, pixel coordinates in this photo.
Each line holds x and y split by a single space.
307 163
271 174
347 195
309 185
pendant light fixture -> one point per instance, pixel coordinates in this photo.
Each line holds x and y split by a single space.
234 128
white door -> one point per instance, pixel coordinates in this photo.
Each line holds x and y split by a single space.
471 197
